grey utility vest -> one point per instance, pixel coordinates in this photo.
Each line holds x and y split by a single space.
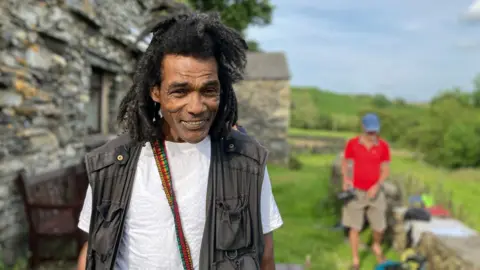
233 237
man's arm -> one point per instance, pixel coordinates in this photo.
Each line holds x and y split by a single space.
385 167
345 172
347 158
268 260
271 220
384 172
84 225
82 257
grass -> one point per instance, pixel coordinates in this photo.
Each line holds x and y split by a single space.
302 197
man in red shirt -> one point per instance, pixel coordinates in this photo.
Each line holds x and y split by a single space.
364 168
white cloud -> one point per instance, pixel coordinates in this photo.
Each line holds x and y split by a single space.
473 11
406 48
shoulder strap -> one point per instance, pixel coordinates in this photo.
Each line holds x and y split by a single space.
160 153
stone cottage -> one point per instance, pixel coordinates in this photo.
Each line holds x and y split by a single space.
264 102
64 67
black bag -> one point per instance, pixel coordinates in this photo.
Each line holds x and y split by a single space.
347 195
419 214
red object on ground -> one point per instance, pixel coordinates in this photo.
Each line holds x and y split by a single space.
366 162
438 211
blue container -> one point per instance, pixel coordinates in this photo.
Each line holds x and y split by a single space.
388 264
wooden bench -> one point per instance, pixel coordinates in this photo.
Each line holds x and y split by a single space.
53 202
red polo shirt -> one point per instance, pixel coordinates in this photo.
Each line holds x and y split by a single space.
366 162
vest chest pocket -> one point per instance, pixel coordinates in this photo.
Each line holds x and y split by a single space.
233 223
109 218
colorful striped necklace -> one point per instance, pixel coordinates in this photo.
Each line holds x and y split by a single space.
160 153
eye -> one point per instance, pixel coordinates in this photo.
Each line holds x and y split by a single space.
211 91
178 92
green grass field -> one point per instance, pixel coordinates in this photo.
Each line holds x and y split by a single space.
330 102
338 104
301 197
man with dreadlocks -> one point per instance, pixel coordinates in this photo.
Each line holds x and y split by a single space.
181 189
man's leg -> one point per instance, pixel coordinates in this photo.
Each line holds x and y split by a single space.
376 215
354 237
353 218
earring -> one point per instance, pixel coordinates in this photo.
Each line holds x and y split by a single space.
157 106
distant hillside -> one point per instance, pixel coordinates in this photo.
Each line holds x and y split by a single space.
321 109
330 102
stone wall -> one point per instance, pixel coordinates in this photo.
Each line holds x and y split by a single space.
445 253
47 51
316 145
264 110
441 251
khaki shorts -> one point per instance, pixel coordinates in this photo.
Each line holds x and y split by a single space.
353 214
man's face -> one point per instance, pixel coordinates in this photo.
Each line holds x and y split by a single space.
371 135
189 96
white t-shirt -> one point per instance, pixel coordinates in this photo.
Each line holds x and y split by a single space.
149 239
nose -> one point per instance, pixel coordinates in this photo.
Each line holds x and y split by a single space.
195 104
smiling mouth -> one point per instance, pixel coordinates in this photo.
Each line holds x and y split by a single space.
194 125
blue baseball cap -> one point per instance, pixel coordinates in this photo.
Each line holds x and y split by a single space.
371 122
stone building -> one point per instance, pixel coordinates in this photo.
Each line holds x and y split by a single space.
64 67
264 102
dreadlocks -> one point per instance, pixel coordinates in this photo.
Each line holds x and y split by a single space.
197 35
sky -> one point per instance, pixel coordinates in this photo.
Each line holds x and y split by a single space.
401 48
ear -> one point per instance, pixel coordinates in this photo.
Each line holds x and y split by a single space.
155 94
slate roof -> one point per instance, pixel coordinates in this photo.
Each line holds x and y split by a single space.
266 66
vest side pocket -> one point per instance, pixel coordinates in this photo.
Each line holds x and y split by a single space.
248 262
243 262
107 225
233 224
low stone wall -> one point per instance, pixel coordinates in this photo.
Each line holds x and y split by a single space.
442 252
445 253
316 145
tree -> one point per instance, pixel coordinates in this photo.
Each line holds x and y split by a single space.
461 145
380 101
239 14
400 102
476 92
455 95
253 46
